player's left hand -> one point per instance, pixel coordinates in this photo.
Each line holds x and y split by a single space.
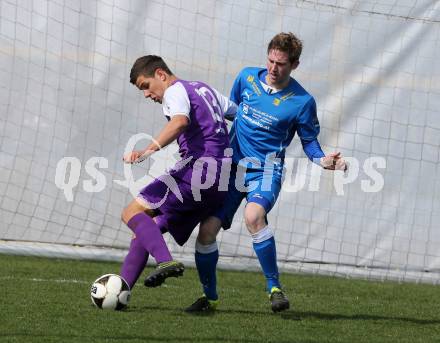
334 161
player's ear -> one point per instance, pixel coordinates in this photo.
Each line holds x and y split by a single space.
160 74
295 64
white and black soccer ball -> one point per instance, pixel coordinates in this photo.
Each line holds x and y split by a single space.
110 292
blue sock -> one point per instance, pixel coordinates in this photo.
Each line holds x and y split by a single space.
267 255
206 267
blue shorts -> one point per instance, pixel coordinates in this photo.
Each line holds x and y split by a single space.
263 189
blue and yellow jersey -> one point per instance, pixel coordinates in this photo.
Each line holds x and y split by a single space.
266 122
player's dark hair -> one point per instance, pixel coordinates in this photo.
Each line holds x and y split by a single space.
147 66
288 43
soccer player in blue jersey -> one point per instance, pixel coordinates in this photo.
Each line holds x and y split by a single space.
273 106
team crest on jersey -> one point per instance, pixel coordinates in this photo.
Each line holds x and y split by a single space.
277 101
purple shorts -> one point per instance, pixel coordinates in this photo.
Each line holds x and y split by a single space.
177 216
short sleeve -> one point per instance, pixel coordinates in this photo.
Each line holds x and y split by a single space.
176 101
229 108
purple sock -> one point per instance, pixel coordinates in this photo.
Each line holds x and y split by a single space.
150 237
134 262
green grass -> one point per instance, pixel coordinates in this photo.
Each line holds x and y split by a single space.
38 306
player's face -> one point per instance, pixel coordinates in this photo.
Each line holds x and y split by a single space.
152 87
279 68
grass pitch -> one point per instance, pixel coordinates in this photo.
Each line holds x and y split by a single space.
48 300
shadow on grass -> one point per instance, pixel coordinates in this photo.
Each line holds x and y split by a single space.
297 315
128 338
292 315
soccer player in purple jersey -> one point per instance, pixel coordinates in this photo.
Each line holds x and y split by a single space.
195 114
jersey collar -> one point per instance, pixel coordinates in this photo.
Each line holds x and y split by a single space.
268 89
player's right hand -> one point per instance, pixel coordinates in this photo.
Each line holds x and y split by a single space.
134 156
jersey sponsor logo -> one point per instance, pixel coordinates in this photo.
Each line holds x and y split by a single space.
251 80
255 88
245 108
257 123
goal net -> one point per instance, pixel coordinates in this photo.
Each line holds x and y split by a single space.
68 111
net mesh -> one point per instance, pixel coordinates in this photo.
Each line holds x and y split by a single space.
371 65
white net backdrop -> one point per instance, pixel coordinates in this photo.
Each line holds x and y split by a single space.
371 65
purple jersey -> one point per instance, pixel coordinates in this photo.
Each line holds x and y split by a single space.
206 134
178 210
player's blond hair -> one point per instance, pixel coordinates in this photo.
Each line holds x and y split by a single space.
288 43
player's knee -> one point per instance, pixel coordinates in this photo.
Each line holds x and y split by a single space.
254 216
254 222
131 210
126 215
208 230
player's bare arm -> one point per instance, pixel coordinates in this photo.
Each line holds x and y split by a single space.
169 134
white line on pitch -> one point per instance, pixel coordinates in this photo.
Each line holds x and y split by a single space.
43 280
61 281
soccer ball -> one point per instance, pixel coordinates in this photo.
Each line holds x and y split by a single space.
110 292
